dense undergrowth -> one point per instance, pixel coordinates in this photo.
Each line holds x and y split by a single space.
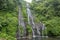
8 24
45 11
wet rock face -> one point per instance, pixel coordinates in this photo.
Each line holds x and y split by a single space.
39 27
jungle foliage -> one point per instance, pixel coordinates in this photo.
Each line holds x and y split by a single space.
48 12
45 11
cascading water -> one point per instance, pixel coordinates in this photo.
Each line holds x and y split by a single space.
35 29
20 22
40 27
30 18
30 22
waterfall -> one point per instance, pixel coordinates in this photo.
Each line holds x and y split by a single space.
21 21
42 28
30 19
21 24
36 29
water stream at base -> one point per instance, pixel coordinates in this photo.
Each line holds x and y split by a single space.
39 38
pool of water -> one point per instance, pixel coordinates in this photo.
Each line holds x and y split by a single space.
39 38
